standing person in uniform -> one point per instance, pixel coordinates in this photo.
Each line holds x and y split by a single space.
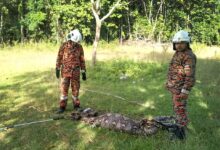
181 79
70 61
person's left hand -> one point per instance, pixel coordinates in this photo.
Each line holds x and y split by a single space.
84 76
57 73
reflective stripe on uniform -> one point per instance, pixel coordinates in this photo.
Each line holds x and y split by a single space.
184 91
74 97
63 97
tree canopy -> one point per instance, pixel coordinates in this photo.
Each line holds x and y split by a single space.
157 20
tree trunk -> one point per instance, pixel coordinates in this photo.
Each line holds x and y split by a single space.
22 34
21 10
145 9
177 26
129 24
156 18
165 13
107 35
22 30
96 13
1 28
150 12
96 41
121 34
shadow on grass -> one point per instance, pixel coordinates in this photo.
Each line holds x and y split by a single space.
204 103
34 96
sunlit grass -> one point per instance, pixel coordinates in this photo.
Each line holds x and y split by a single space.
29 91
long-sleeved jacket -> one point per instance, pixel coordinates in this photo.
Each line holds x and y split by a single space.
70 58
181 74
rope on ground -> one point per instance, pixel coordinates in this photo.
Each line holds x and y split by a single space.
116 96
54 118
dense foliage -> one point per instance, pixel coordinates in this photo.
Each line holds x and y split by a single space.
157 20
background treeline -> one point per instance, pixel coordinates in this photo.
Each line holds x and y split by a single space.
149 20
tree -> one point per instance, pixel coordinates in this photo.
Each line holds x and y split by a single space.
25 20
21 14
68 16
4 11
96 8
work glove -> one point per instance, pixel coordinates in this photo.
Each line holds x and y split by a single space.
57 73
83 75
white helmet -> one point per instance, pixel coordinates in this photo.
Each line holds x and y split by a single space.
74 36
181 36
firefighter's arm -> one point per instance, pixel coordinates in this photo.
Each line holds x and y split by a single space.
59 60
82 64
82 60
189 69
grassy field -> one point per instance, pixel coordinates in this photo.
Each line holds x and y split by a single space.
29 91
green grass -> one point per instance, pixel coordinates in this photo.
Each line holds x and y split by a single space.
29 91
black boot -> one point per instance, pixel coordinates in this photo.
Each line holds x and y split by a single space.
62 108
177 133
76 104
76 107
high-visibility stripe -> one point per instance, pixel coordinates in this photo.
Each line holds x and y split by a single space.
74 97
184 91
63 97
